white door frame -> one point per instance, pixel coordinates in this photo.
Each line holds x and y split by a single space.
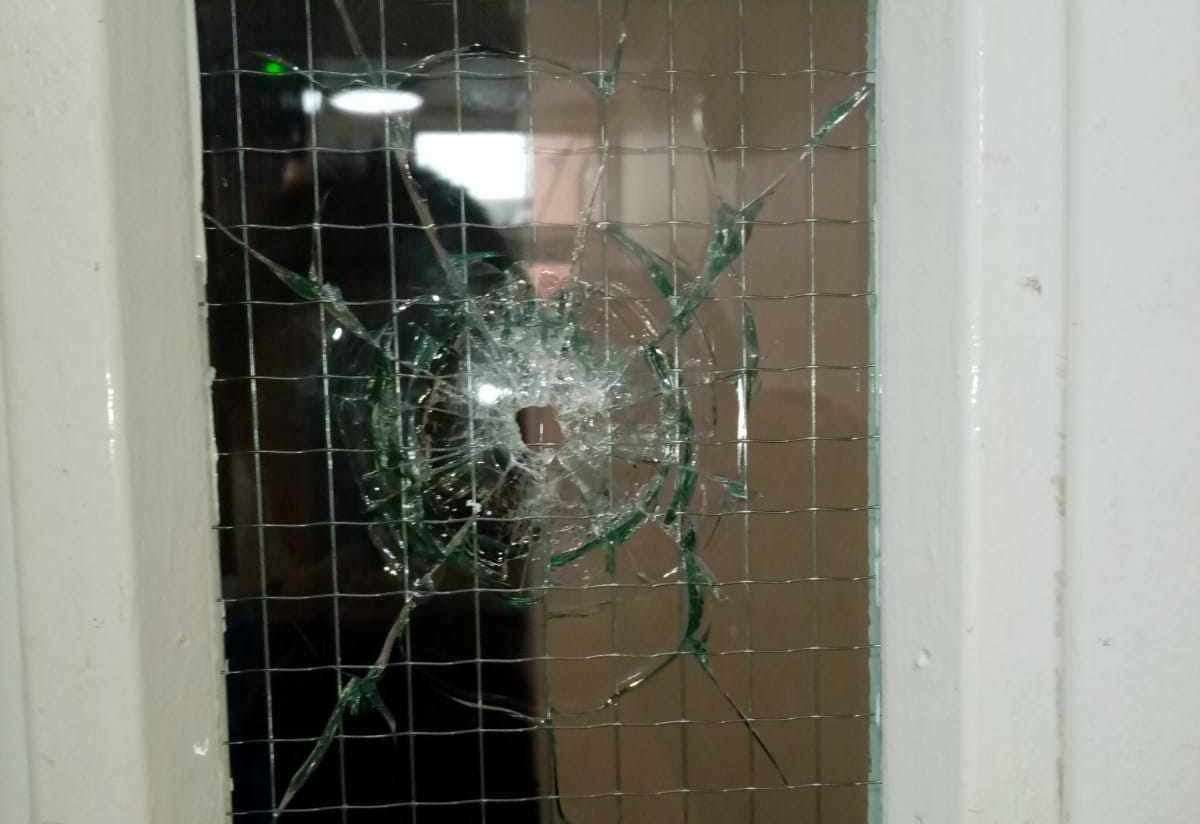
971 241
117 603
111 701
1039 277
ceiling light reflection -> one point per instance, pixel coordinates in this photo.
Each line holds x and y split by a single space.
374 101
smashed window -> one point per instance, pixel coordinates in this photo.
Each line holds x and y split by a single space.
541 417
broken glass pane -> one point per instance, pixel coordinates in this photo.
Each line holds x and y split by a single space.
523 367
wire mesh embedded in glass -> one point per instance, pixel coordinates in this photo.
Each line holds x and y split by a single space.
541 334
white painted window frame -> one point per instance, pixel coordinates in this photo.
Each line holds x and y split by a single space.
117 706
971 234
1038 268
111 701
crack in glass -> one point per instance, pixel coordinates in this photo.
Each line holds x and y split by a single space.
510 421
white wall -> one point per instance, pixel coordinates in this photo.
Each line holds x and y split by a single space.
1132 659
1039 178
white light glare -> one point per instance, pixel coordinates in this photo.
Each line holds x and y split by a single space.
311 101
489 165
489 393
364 100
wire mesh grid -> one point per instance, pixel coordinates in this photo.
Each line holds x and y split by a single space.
790 640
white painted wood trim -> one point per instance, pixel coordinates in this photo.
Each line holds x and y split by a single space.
971 276
111 701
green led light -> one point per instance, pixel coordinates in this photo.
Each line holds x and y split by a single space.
274 67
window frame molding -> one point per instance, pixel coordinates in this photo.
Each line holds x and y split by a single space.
113 609
111 695
971 269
